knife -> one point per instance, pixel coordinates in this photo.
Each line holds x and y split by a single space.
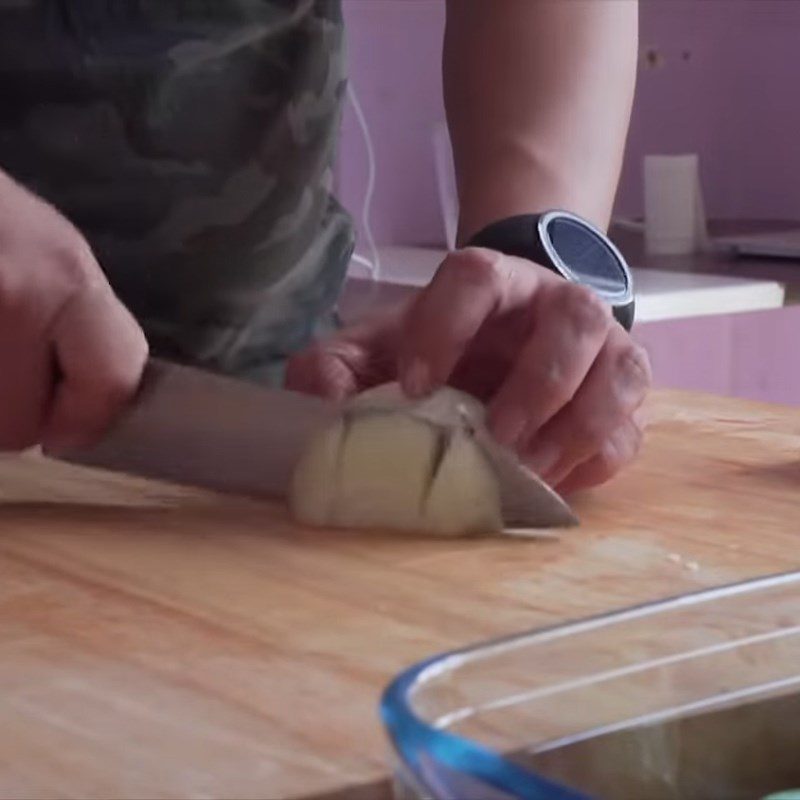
194 427
189 426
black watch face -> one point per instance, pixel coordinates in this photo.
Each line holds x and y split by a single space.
588 256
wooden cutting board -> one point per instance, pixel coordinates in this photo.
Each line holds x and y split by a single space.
161 642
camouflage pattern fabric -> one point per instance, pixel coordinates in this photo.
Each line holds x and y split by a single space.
191 142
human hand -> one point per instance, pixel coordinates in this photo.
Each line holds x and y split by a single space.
71 354
562 380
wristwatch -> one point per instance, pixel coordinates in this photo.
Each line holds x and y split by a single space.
571 247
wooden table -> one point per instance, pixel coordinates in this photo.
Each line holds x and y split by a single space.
160 642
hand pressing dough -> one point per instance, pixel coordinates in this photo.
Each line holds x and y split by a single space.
426 466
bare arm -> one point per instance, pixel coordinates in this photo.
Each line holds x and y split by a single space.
538 96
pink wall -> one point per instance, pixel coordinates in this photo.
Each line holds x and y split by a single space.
395 68
737 355
727 89
733 98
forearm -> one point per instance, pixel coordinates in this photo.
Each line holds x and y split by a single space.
538 96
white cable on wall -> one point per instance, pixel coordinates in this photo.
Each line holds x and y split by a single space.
364 261
373 264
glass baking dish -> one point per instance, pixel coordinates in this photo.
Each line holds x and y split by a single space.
696 698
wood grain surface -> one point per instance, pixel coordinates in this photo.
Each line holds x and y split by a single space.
162 642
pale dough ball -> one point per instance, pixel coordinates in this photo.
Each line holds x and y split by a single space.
419 465
391 470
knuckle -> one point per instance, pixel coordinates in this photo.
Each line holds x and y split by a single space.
77 266
614 452
590 432
551 383
477 266
610 460
583 309
633 366
624 445
66 267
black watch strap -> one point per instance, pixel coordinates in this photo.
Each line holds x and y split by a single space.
520 236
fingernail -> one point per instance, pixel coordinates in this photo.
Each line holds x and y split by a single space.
543 457
509 426
417 379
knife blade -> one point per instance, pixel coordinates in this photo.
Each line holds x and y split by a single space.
194 427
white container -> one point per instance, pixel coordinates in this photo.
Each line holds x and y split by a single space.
673 206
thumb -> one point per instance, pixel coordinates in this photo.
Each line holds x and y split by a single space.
100 353
349 362
325 369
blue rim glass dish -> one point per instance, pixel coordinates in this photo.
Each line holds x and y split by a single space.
510 719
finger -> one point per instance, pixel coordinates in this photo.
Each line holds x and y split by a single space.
26 378
26 383
570 327
321 371
615 387
618 451
100 354
469 287
349 362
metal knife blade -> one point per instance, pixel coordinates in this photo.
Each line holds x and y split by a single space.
194 427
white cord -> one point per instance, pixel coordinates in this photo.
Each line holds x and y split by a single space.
373 265
364 261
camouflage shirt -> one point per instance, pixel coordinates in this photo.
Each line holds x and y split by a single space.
191 143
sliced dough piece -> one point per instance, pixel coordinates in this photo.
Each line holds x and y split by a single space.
422 465
384 471
464 497
314 481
